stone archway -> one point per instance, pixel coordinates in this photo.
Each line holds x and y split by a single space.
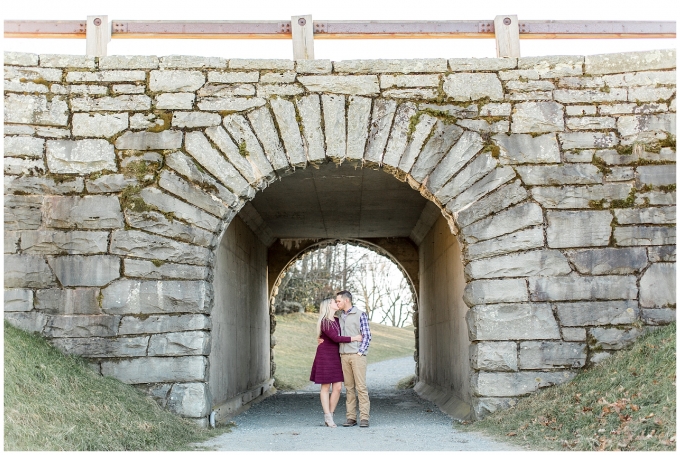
556 174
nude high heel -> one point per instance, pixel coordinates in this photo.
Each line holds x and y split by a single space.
328 420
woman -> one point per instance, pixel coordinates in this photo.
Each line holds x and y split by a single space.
327 368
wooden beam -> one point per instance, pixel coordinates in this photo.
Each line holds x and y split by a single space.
507 36
302 29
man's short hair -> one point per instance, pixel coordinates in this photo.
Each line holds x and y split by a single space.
345 294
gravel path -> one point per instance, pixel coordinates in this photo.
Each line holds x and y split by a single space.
400 421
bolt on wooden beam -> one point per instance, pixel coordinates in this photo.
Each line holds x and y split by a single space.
507 36
97 35
302 28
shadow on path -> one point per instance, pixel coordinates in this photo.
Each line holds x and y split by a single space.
400 420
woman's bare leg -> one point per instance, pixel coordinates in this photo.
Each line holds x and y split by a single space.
335 395
324 398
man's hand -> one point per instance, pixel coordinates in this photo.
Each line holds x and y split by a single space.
319 340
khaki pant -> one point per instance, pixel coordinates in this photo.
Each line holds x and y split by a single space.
354 371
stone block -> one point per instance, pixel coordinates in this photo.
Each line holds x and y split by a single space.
195 119
198 146
513 219
644 235
36 110
287 77
454 110
539 355
24 146
149 246
111 103
158 223
32 321
494 356
646 127
175 100
239 128
408 81
86 212
382 116
175 81
657 175
68 301
649 215
399 137
532 263
334 125
630 61
559 174
517 241
20 59
587 140
226 90
591 123
27 271
128 62
498 384
148 297
573 334
581 110
66 61
656 198
147 269
180 344
90 90
18 300
538 117
650 94
613 338
483 406
455 159
344 85
73 270
110 183
483 292
103 347
512 321
482 187
523 148
235 104
657 286
81 326
64 242
11 241
80 157
191 61
495 202
482 64
106 76
132 325
150 141
582 314
23 212
608 261
553 66
391 66
664 253
99 125
157 369
284 112
411 93
261 64
579 196
194 195
269 90
569 229
191 400
473 86
180 209
557 288
23 166
528 86
658 316
473 172
569 96
313 66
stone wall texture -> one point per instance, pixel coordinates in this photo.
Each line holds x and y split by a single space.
557 175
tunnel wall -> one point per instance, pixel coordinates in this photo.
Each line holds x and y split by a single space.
443 343
556 174
240 336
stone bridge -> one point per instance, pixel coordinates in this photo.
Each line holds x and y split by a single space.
152 203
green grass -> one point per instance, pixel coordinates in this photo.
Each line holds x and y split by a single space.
627 402
56 402
296 347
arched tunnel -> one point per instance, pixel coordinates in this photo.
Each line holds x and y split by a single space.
360 205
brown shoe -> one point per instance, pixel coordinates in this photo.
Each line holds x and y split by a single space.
349 423
363 424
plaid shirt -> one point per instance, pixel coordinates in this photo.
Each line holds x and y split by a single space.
365 330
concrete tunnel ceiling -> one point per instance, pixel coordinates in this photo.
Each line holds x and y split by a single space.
339 201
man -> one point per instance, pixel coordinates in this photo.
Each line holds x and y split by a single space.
353 357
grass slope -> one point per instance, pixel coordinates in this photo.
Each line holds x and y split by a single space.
627 402
56 402
296 346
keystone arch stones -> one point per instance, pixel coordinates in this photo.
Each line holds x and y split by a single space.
556 174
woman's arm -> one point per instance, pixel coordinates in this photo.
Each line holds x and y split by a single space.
331 331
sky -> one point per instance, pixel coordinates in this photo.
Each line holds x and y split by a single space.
649 10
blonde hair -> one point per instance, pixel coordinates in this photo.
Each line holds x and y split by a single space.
326 315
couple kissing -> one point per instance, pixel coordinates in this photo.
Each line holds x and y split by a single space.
341 356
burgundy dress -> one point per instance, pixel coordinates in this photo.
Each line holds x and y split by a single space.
327 367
